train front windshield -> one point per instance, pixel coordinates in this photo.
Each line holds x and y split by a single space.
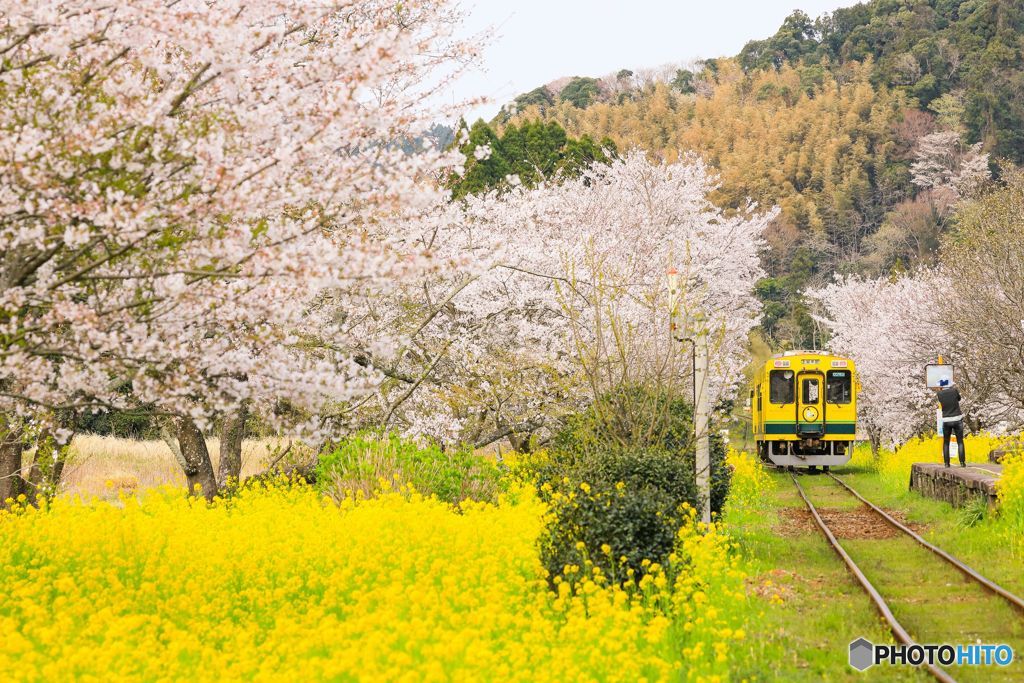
840 387
780 386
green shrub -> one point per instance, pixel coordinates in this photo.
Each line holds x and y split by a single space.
367 463
610 506
128 424
617 479
637 418
972 513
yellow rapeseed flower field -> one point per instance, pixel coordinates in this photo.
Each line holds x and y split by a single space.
279 583
1011 501
894 469
750 481
894 466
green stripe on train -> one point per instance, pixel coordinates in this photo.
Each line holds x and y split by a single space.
841 428
790 428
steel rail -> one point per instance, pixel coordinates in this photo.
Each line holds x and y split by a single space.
989 585
883 608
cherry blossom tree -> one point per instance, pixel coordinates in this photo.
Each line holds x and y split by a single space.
944 171
946 167
181 181
891 329
566 299
967 309
983 309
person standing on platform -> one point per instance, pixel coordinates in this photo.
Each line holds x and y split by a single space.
952 419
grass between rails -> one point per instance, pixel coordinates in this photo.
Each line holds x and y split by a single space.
991 541
819 607
807 606
933 601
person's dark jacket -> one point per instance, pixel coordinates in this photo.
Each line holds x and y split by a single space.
949 399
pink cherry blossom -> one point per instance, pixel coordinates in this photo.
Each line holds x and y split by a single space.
184 183
553 280
891 329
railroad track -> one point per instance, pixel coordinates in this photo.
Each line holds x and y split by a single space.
899 632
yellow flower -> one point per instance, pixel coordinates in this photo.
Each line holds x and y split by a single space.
279 582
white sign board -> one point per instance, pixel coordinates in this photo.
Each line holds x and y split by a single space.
935 373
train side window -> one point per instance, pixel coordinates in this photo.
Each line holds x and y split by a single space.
839 387
780 386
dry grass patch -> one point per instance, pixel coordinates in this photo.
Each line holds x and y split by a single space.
104 465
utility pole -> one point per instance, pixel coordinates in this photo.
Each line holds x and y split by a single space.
701 415
701 405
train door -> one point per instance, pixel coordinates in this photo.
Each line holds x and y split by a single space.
810 405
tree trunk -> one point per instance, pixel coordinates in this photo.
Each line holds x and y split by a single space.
520 442
11 483
58 466
169 434
45 471
195 458
230 467
973 423
34 481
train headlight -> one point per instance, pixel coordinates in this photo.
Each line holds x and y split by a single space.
810 413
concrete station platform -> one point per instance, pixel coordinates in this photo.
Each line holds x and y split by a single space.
956 485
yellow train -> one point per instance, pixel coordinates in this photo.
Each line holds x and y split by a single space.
804 409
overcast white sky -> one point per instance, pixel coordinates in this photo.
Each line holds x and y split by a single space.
538 41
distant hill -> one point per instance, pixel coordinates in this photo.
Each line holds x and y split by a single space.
965 55
862 125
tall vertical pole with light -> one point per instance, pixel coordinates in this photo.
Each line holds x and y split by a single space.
701 409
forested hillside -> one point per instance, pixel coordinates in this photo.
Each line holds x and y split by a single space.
962 55
863 126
